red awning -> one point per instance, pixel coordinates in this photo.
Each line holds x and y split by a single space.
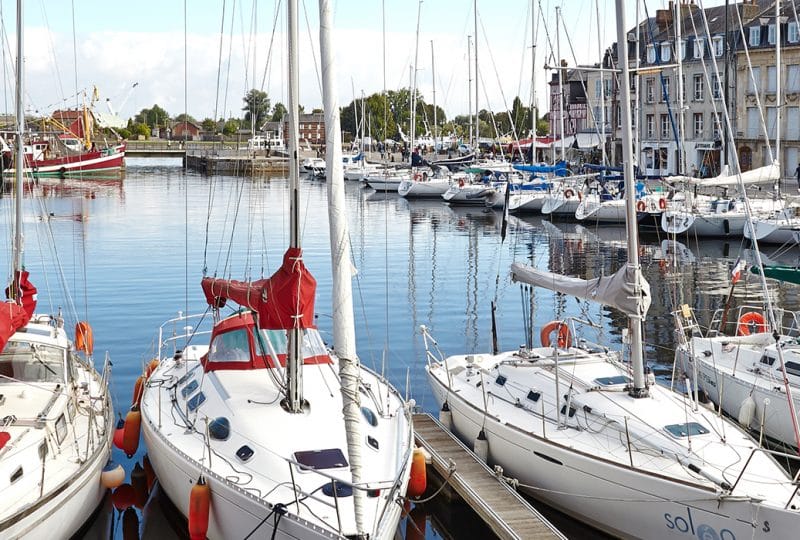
285 300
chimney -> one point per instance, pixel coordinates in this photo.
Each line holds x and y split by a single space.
749 10
664 17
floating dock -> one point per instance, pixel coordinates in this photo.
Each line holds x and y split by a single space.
504 510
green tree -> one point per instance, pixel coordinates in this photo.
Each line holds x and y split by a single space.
231 127
141 128
209 125
183 117
154 117
256 107
278 112
125 133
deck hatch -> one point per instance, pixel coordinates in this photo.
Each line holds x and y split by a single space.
327 458
686 430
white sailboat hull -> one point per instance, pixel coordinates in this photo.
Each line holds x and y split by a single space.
613 497
424 189
591 209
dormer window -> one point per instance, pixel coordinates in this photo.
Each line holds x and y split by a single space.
683 49
791 33
665 51
755 36
698 48
771 34
718 48
651 54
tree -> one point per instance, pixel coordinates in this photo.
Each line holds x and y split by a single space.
209 125
141 129
256 107
183 117
278 112
153 117
230 127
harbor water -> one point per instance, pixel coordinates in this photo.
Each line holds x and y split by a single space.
131 252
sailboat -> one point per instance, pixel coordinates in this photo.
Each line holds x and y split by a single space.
592 435
291 439
55 438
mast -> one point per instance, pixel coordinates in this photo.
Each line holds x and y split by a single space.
726 56
635 322
413 126
20 91
469 88
433 77
778 99
534 13
294 373
344 335
681 165
602 88
477 78
560 83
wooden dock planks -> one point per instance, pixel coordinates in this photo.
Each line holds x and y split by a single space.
503 509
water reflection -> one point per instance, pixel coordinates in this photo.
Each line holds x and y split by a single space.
418 262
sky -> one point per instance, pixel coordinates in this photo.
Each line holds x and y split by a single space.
202 56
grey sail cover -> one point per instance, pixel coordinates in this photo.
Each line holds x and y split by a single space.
768 173
617 290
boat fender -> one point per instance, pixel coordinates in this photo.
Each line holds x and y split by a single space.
138 388
130 524
564 336
446 416
119 433
130 438
199 505
569 193
461 182
418 480
641 206
662 203
151 367
139 483
84 340
150 474
113 475
417 177
123 497
481 446
747 411
750 323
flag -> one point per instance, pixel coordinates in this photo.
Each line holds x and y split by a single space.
738 268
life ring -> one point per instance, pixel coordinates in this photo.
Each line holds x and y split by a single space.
460 182
568 193
561 327
750 323
641 206
662 203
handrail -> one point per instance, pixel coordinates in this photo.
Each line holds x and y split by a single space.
774 453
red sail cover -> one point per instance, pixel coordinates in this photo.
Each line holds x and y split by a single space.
12 318
283 301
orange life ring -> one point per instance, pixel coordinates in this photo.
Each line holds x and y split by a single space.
662 203
569 193
564 336
751 322
461 182
641 206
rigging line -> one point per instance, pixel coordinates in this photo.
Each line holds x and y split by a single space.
317 68
271 42
502 94
230 53
219 61
185 135
74 54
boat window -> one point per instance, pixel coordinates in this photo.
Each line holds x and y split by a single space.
275 341
373 442
31 362
613 381
230 347
686 430
767 360
328 458
16 475
793 368
61 429
196 401
501 380
369 416
534 396
189 388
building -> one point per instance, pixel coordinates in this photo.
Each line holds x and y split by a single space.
574 111
311 129
757 103
188 131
